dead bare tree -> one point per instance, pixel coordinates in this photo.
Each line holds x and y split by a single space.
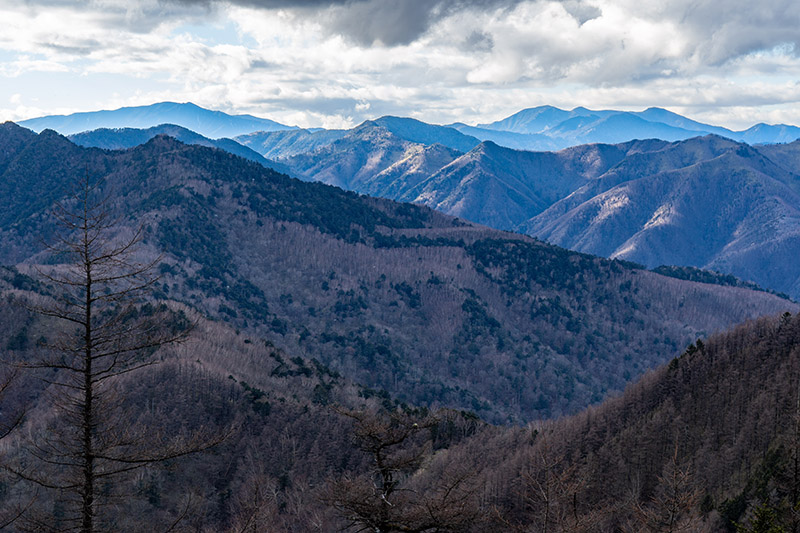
550 492
10 421
383 500
106 331
673 506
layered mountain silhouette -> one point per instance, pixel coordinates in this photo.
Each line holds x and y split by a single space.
538 128
706 202
678 200
584 126
123 138
286 143
212 124
395 296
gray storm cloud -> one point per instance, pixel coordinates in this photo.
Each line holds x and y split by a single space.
724 29
369 22
737 27
606 42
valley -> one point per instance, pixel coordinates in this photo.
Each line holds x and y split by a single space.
320 314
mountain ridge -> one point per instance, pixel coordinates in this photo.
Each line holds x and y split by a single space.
212 124
361 284
124 138
538 128
576 126
746 222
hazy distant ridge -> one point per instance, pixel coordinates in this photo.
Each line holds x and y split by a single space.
212 124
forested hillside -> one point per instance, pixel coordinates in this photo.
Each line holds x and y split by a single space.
324 330
281 438
432 309
706 442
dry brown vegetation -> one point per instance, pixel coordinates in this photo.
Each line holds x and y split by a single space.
433 310
327 323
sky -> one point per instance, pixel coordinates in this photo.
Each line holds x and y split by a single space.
335 63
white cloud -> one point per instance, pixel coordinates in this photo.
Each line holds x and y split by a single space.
472 61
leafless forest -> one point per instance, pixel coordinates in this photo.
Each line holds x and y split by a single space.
206 345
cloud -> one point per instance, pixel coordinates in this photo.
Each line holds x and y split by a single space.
373 22
479 41
337 62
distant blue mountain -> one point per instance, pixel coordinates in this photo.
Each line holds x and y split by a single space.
538 129
616 128
212 124
657 114
286 143
584 126
419 132
510 139
769 134
123 138
533 120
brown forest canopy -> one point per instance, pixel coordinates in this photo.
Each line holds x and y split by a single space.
395 296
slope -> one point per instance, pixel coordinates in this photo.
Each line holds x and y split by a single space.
703 442
394 296
706 202
123 138
357 160
581 125
510 139
286 143
419 132
282 435
502 188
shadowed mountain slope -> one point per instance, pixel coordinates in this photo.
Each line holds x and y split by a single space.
394 296
704 441
501 188
286 143
706 202
122 138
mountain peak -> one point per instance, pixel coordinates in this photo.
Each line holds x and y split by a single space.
416 131
12 128
212 124
162 141
486 147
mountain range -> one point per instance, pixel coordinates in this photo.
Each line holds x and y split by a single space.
433 309
213 124
539 128
316 297
123 138
585 126
708 202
